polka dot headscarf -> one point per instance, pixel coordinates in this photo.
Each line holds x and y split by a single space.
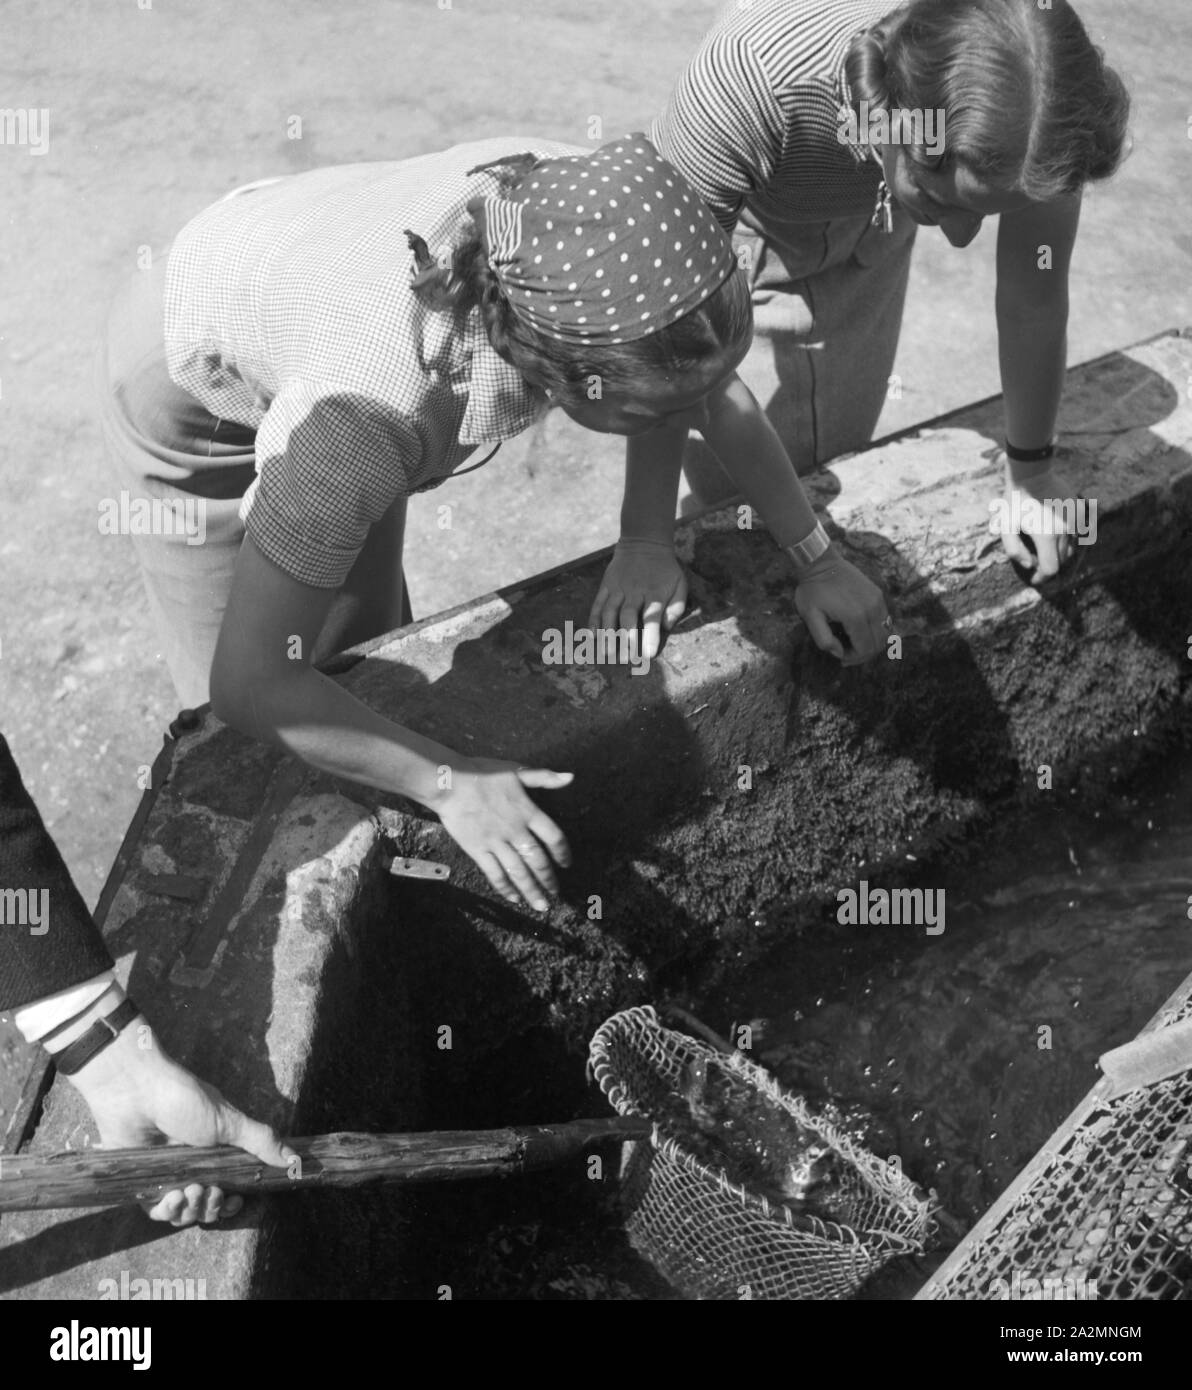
606 247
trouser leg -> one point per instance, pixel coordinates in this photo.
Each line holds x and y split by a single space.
824 346
856 308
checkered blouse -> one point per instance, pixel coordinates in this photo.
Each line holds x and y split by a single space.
288 309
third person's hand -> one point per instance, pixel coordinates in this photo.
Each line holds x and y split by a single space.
140 1096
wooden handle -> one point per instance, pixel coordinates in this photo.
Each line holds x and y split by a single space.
106 1177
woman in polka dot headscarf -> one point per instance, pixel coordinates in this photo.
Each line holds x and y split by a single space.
321 346
603 269
615 272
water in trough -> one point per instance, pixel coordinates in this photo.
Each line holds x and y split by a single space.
959 1051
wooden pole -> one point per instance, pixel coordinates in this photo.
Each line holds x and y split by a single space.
97 1177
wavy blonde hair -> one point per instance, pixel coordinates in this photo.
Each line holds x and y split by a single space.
1029 103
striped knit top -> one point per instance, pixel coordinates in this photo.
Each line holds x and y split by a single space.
753 120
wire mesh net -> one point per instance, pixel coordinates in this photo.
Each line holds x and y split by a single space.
1103 1211
716 1238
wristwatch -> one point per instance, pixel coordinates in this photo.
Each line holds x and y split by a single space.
1030 455
810 548
90 1044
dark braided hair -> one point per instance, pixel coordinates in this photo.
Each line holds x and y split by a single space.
1029 102
721 323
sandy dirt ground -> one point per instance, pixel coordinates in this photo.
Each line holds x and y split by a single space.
156 108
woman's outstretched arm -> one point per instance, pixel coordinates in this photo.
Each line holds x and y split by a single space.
1034 251
263 684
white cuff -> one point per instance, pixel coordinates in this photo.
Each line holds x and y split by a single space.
44 1015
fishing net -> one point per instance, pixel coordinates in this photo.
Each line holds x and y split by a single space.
1103 1211
716 1237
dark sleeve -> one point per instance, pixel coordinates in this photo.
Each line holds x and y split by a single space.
48 940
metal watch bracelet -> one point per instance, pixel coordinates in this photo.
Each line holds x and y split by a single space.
810 548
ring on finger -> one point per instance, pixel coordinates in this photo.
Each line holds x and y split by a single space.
530 848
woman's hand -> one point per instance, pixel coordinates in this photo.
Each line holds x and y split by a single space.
1039 504
833 591
140 1096
644 587
488 814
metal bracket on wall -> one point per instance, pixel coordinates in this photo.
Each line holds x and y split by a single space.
418 868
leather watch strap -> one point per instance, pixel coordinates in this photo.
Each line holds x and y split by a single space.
101 1033
1016 455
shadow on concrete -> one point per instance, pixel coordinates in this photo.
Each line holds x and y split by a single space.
946 712
61 1247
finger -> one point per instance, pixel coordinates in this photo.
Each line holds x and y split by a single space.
516 871
822 636
678 604
170 1207
543 777
597 607
652 630
878 632
193 1192
629 619
1048 565
253 1137
537 861
493 870
213 1203
609 610
1016 548
860 644
552 837
862 640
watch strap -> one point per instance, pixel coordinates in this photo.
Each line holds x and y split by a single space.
810 548
1016 455
101 1034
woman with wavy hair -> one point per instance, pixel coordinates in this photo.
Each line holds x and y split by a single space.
824 133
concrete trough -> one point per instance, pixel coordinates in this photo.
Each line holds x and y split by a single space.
721 800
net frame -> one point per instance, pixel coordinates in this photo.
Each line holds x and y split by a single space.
713 1238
